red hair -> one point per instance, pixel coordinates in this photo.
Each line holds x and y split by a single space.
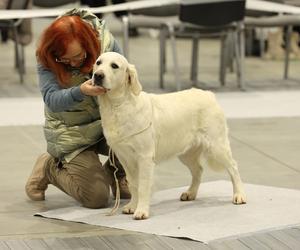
55 40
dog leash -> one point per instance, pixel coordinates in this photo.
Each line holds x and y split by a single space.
111 157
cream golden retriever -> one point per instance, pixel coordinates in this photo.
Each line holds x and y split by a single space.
144 129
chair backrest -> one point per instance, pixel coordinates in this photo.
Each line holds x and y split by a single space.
169 10
211 12
17 4
52 3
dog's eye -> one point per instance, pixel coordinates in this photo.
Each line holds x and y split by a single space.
114 66
98 62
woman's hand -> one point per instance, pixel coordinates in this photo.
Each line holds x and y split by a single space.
92 90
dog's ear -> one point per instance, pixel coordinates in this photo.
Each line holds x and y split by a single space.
133 80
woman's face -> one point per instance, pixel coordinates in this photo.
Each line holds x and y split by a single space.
74 56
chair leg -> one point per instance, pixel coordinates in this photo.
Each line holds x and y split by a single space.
287 52
23 59
237 56
18 60
125 22
230 54
249 41
194 63
22 63
241 32
223 59
261 43
174 53
162 56
16 49
240 54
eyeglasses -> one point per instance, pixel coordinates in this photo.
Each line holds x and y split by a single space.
79 58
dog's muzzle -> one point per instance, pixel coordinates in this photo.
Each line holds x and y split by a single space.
98 79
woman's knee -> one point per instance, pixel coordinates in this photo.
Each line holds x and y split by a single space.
98 197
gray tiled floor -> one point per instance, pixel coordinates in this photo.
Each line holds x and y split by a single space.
266 149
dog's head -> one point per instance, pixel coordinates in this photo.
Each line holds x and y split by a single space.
113 73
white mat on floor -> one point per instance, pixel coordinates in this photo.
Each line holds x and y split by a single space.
211 216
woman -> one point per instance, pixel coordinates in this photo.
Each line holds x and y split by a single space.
66 53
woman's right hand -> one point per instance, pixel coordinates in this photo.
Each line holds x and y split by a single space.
92 90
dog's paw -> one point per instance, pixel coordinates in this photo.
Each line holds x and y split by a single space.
239 198
128 209
188 196
141 215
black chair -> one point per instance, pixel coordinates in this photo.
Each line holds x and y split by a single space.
149 18
13 25
219 18
198 19
52 3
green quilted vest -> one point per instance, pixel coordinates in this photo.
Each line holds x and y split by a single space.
70 132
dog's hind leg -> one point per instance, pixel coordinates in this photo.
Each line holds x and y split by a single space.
239 196
221 156
192 160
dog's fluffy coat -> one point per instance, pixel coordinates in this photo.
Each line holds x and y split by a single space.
143 129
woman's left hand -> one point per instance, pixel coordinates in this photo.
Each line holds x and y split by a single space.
87 88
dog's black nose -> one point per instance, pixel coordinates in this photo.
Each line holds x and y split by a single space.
98 78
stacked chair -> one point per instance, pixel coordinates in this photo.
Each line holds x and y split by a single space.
12 25
195 19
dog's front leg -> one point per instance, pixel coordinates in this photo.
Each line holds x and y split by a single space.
130 207
145 172
130 167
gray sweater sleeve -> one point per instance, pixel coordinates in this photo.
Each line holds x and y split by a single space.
56 98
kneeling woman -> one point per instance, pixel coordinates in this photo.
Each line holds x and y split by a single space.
66 53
